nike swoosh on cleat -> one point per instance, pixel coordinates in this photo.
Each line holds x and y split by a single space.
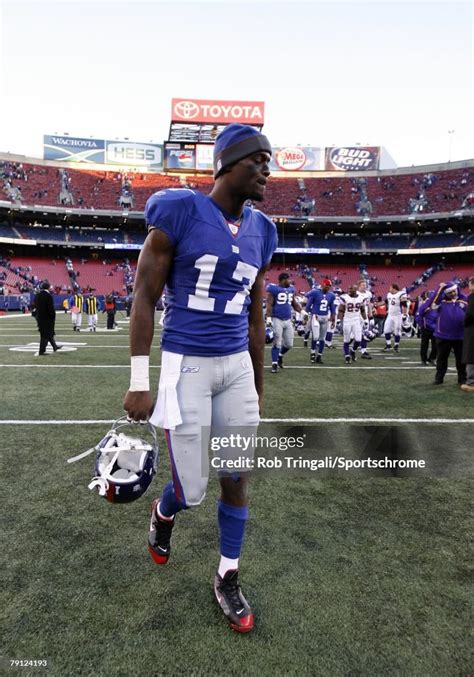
240 611
162 549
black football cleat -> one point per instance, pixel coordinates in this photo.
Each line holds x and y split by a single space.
280 361
232 602
160 535
305 343
387 349
274 367
366 356
313 358
396 348
347 359
319 359
353 355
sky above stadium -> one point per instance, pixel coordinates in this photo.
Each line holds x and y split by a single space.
395 74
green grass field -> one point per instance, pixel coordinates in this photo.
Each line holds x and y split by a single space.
348 575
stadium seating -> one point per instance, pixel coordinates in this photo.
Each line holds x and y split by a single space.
286 239
443 240
381 277
106 276
455 272
335 196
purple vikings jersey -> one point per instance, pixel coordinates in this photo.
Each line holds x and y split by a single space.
320 303
208 287
282 300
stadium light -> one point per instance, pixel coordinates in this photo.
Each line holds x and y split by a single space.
450 136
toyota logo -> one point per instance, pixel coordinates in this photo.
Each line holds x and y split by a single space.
186 110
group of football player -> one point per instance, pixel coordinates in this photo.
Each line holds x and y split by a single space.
319 313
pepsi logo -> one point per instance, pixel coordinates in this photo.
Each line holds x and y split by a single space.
187 110
352 159
290 159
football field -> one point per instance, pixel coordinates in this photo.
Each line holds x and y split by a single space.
349 573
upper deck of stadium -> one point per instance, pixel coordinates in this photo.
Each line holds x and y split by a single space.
433 189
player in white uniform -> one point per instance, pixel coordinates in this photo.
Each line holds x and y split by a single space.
396 307
301 316
350 310
362 288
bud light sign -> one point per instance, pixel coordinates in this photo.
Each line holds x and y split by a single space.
352 158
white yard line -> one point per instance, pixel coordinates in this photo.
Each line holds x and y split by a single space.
314 368
64 343
263 420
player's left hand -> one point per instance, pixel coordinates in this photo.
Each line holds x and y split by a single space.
138 405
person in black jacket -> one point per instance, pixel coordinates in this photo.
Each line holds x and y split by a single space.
110 308
468 342
45 317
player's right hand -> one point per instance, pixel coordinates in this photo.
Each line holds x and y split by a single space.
138 404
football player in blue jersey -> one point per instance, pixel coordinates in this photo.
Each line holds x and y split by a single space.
280 301
320 306
212 253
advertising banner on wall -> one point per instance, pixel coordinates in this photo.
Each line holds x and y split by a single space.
225 112
146 155
204 155
352 158
297 159
180 156
73 149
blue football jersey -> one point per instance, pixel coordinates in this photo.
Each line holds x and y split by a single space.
320 303
207 291
282 300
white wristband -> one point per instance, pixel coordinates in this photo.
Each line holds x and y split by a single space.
139 376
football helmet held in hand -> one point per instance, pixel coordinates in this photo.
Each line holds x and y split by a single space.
124 464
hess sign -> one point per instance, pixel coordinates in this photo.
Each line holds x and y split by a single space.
219 112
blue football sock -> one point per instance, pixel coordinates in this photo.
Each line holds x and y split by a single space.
169 503
232 522
321 347
275 353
